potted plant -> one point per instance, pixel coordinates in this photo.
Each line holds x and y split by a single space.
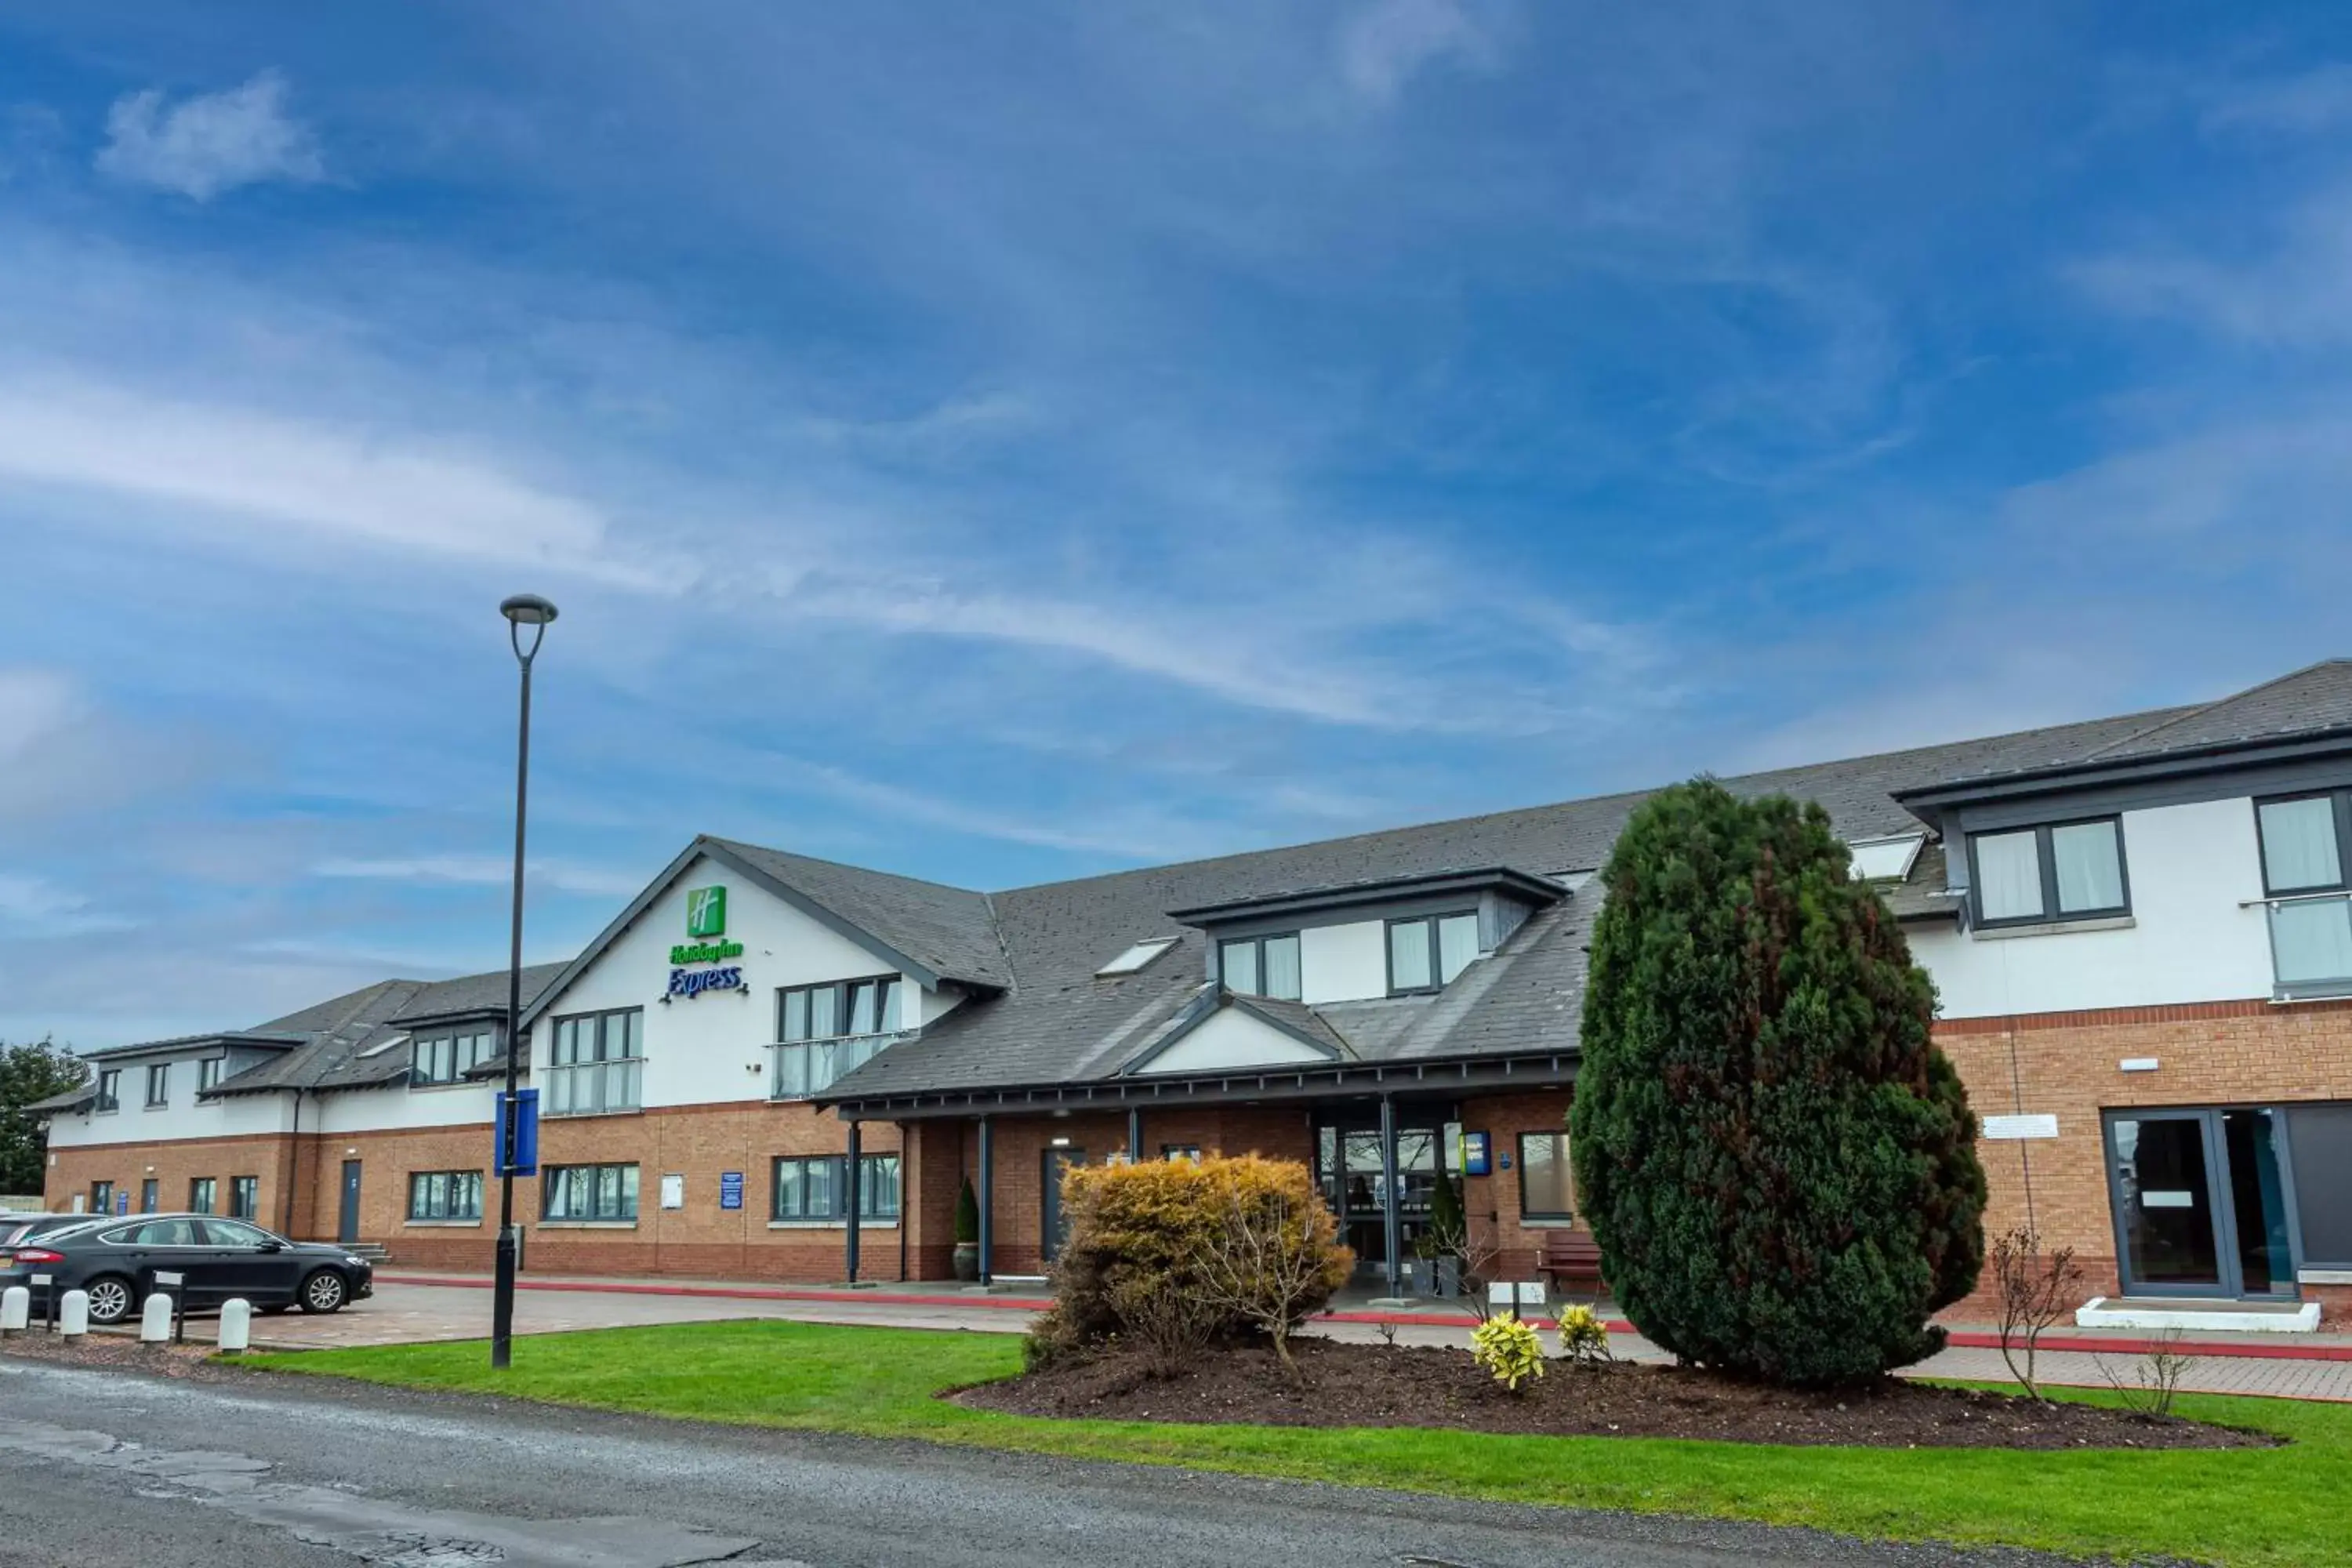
967 1234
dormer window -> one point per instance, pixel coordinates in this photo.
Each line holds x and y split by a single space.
1260 965
1428 952
2065 871
446 1057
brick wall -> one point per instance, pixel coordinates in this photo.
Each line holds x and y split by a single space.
1493 1200
173 1165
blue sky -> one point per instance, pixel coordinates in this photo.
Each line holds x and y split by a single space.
1002 443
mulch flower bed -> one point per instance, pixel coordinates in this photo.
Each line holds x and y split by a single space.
111 1350
1377 1385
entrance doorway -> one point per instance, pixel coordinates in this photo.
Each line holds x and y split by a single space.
2202 1200
348 1230
1053 1224
1348 1167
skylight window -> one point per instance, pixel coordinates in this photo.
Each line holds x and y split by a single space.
1137 958
1886 859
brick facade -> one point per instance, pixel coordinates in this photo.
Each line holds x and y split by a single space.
2065 1065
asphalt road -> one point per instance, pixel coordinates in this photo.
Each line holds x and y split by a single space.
102 1469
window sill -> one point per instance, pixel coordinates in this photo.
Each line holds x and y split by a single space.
444 1223
863 1225
442 1088
1546 1222
2053 928
591 1115
2289 996
2323 1277
585 1224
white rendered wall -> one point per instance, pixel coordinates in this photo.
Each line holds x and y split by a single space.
714 1047
1343 962
1232 1037
184 1116
2189 866
399 1106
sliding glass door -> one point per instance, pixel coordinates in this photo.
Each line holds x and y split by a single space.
2202 1200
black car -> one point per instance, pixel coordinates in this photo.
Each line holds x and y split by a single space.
16 1227
116 1263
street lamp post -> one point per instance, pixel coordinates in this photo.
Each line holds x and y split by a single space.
522 610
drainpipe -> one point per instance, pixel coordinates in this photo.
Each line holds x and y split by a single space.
987 1202
1135 1136
905 1218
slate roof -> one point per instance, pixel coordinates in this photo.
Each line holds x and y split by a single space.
1061 1024
2316 699
949 931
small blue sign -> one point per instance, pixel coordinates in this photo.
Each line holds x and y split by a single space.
517 1129
122 1201
1477 1159
730 1189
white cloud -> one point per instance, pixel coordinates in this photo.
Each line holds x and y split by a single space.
336 482
215 142
1384 47
2303 104
37 906
485 870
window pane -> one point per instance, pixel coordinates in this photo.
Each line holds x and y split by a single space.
788 1189
891 997
1458 944
2311 941
796 1015
823 1201
2299 845
792 1072
877 1193
633 1038
1409 955
2320 1138
1282 967
1543 1176
2090 867
861 1008
824 1012
2008 875
1237 965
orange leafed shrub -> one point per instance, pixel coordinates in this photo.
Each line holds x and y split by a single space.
1143 1235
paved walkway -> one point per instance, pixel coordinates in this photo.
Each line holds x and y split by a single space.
409 1308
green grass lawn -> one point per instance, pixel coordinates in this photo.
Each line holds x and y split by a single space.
2281 1505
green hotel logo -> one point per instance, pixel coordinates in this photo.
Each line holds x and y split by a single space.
706 912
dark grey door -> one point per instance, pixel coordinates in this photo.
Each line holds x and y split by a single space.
349 1230
1056 1228
2202 1200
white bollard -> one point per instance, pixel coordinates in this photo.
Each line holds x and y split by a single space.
73 1314
16 1310
155 1320
235 1326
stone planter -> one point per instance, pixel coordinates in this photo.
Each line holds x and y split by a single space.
967 1262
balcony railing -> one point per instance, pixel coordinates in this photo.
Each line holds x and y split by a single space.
594 1088
2311 944
804 1068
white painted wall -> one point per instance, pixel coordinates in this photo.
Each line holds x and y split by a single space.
401 1107
714 1047
2189 866
182 1117
1232 1037
1343 962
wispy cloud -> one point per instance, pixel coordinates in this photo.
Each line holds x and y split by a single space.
37 906
214 143
1388 43
483 870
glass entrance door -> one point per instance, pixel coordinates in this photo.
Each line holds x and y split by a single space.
1349 1169
2200 1202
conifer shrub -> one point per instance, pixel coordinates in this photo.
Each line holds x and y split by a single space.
1777 1162
1190 1253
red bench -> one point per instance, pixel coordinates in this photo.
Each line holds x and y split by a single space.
1570 1262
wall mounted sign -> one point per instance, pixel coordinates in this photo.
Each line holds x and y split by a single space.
673 1191
730 1189
706 912
2022 1126
1478 1158
692 983
705 951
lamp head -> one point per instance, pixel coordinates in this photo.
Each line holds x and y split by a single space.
528 610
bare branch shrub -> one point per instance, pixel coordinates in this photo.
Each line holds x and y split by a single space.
1475 1253
2154 1382
1274 1263
1171 1329
2036 1291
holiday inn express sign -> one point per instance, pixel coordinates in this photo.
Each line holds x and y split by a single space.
706 921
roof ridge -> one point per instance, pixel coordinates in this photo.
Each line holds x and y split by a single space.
845 865
2199 710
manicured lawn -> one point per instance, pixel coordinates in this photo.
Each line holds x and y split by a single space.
2278 1506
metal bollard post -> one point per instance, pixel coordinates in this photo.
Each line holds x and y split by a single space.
47 1284
176 1285
16 1310
73 1314
155 1320
235 1326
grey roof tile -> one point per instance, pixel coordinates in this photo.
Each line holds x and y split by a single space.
2314 700
950 931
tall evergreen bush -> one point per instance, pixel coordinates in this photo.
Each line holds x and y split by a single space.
1778 1163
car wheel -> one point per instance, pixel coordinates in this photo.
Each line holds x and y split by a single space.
324 1292
109 1299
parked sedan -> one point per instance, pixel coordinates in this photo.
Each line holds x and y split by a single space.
16 1227
220 1258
